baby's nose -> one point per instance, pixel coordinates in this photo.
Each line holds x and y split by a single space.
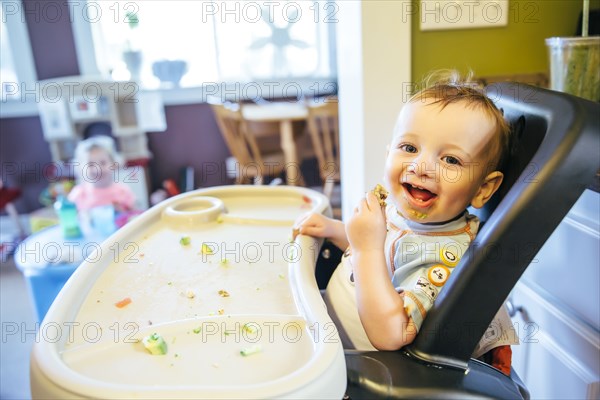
425 164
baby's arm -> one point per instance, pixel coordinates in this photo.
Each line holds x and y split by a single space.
76 195
380 307
320 226
124 198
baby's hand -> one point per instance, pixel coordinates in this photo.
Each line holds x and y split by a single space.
366 228
312 224
320 226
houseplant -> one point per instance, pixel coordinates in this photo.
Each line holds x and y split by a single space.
575 62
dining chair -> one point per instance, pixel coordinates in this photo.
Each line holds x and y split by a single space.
252 162
324 132
282 124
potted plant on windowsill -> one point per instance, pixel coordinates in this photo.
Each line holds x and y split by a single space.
575 62
132 56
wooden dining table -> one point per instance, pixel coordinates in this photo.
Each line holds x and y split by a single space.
284 113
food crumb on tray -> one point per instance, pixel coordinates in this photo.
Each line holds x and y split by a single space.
251 350
206 250
155 344
122 303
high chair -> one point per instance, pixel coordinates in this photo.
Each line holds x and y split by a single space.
251 164
324 133
554 159
208 309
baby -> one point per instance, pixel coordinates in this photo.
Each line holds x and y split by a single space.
448 146
98 163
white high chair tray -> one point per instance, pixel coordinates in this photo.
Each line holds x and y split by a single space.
240 284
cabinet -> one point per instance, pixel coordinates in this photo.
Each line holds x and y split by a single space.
556 306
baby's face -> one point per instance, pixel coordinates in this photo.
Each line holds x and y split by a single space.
100 170
438 160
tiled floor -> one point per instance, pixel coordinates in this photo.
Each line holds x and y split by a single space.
18 322
18 333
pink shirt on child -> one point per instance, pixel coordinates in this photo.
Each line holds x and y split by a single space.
86 196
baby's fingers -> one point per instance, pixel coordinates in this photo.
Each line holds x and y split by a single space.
310 224
301 219
372 201
360 208
299 225
368 204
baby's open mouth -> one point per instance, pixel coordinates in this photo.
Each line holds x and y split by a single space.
420 195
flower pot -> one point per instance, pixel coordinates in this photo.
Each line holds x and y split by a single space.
133 60
575 65
169 71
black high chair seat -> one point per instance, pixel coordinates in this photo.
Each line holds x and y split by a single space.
554 159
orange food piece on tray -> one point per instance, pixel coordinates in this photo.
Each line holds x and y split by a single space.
123 303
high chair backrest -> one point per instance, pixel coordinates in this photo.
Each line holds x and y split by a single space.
555 157
324 132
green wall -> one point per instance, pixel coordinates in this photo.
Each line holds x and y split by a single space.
516 48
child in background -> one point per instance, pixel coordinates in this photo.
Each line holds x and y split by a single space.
446 154
98 163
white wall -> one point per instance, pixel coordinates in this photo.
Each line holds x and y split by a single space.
373 73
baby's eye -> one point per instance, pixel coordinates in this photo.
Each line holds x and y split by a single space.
451 160
409 148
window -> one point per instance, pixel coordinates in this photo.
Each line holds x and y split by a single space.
8 72
166 44
17 70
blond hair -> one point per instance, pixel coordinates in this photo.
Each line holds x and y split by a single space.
85 147
445 87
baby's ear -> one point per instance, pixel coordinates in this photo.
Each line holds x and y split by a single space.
490 184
